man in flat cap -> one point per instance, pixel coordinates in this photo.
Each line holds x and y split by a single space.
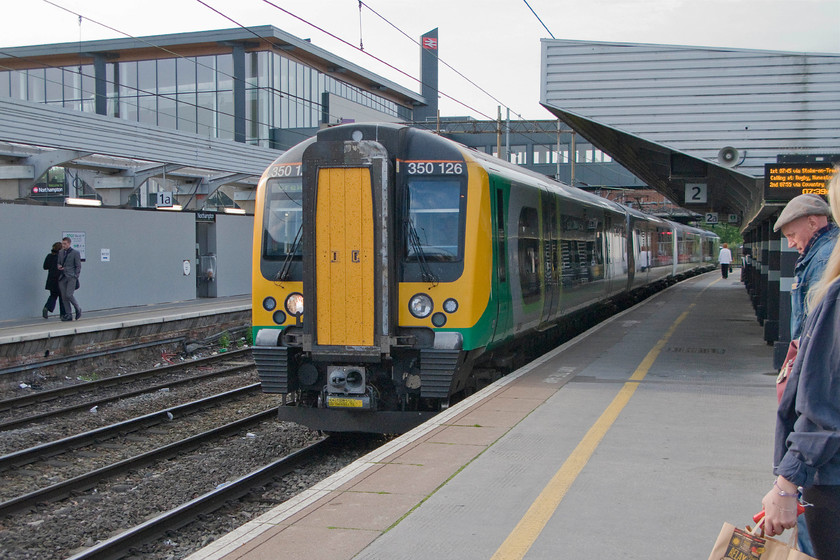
805 224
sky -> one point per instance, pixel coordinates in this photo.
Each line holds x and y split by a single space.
493 43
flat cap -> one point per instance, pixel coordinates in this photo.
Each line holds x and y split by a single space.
802 205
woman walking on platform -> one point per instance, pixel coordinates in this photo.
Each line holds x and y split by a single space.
807 451
53 274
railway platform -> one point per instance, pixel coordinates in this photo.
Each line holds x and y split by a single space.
34 341
635 440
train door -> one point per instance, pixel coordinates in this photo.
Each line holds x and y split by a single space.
525 257
344 257
608 254
615 257
551 250
205 249
501 289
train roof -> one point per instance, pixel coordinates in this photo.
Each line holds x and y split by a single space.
513 171
510 170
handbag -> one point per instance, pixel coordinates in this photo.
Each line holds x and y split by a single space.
740 544
787 366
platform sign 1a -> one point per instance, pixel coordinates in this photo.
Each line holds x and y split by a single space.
165 199
784 181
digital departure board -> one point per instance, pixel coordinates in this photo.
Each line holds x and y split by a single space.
783 181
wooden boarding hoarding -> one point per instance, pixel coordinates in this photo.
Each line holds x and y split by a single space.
783 181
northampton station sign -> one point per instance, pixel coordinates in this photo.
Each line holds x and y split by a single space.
783 181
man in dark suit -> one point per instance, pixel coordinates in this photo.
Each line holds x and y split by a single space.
70 265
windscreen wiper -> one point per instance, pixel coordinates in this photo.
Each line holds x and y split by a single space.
414 242
287 263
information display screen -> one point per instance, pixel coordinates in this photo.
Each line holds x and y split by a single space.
783 181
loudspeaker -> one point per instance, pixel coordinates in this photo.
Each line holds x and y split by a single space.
729 156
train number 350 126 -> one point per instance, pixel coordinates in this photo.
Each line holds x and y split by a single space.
435 167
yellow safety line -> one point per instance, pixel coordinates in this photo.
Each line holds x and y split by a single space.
525 533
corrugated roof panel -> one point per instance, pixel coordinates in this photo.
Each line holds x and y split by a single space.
26 122
699 99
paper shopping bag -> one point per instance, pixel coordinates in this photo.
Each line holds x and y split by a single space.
739 544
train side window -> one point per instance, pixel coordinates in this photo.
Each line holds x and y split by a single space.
282 219
664 247
500 227
529 254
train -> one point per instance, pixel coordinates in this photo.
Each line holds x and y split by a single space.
422 265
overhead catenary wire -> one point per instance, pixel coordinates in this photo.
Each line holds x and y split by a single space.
303 20
361 3
539 19
381 61
357 89
477 86
361 41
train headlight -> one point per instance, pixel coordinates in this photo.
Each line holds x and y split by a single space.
450 305
294 304
438 319
420 306
269 303
279 317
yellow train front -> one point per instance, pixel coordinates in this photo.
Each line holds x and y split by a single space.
371 277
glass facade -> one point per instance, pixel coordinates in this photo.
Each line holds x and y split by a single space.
196 94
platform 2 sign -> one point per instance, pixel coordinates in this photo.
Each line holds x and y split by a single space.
783 181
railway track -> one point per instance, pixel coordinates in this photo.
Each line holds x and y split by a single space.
233 418
51 449
40 399
143 506
119 545
89 480
100 493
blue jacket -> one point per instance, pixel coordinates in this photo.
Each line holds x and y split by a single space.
807 450
806 273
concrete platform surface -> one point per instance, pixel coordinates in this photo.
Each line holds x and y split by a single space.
50 345
21 330
636 440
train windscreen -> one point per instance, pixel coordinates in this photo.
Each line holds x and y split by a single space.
283 219
434 220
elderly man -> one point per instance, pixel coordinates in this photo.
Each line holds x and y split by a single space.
804 222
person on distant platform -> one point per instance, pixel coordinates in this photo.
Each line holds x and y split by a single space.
53 274
805 224
725 260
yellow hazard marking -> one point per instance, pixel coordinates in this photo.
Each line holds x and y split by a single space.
344 403
523 536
